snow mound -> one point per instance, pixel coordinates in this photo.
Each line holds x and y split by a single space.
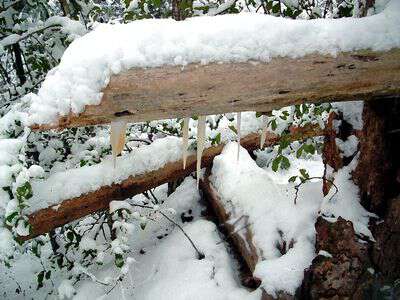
276 220
88 63
273 216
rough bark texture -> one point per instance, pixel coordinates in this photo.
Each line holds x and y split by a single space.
169 92
69 210
379 163
330 153
386 250
342 276
377 176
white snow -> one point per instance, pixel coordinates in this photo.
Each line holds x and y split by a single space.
71 27
271 210
35 171
6 243
66 184
268 200
324 253
74 182
89 61
346 203
66 289
352 112
169 268
349 146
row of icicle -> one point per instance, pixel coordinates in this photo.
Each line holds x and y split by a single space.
118 135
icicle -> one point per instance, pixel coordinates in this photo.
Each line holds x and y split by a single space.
185 140
201 134
117 138
264 131
239 121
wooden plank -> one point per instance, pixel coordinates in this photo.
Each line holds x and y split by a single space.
69 210
169 92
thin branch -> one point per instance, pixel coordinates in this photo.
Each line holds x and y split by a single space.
304 180
200 255
27 34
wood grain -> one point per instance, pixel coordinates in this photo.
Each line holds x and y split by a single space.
169 92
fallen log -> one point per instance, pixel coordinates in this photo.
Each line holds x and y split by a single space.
170 91
45 220
235 226
238 230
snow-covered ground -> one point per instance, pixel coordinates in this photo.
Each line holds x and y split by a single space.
166 265
268 199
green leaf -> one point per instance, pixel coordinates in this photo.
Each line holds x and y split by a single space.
40 278
70 236
216 140
10 217
285 163
273 125
231 127
119 260
292 179
276 8
304 173
309 148
48 274
143 225
276 162
24 191
299 151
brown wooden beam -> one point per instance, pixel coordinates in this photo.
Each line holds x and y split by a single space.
168 92
69 210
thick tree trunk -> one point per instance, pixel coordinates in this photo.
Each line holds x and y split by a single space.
377 176
378 166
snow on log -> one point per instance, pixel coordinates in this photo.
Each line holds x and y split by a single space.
68 210
236 226
171 91
209 65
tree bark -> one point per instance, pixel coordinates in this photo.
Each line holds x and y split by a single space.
169 92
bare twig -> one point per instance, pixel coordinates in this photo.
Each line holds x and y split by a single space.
304 180
200 255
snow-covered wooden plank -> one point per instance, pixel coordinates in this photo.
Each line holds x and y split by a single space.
68 210
168 92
